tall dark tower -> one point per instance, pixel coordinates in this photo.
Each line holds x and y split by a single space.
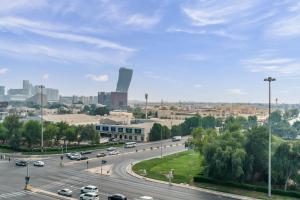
124 80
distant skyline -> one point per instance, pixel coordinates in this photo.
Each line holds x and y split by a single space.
188 50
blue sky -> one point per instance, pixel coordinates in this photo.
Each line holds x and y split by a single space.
188 50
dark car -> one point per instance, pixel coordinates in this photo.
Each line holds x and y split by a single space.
21 163
117 197
83 158
101 155
85 152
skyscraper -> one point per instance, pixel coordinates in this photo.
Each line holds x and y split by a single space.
2 90
124 80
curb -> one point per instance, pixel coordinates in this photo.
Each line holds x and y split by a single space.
223 194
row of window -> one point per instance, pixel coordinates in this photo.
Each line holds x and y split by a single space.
130 137
119 129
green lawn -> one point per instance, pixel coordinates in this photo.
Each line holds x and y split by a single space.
186 165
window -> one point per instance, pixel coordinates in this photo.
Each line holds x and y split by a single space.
130 137
120 130
98 128
121 136
113 129
125 137
128 130
135 138
105 128
138 130
142 138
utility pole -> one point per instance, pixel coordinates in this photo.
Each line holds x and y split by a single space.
269 79
161 142
146 97
42 125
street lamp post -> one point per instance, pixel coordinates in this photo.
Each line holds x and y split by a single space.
269 79
42 126
161 142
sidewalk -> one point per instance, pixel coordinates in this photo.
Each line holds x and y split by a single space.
223 194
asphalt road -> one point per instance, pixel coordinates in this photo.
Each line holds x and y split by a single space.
73 175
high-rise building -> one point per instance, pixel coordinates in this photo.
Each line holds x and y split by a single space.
118 100
2 90
124 80
52 94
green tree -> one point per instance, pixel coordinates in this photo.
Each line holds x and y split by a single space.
286 162
50 132
71 134
257 153
3 133
252 121
32 132
276 117
62 129
13 125
208 122
158 131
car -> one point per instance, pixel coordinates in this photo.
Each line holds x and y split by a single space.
111 149
89 189
38 163
144 198
75 156
21 163
117 197
101 155
83 158
176 138
65 192
68 155
89 196
85 152
113 153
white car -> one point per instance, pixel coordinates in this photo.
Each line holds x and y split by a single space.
111 149
89 196
89 189
144 198
75 156
113 153
38 163
65 192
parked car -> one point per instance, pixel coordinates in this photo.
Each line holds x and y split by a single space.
38 163
101 155
144 198
89 189
83 158
117 197
21 163
85 152
113 153
65 192
89 196
111 149
68 155
75 156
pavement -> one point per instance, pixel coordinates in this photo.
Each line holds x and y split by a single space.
47 180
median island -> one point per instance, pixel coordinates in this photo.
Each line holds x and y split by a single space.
186 167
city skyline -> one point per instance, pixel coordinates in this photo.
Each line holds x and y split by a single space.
201 51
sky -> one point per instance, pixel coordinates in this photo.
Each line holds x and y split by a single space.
180 50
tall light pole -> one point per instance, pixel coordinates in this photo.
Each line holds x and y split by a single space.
269 79
146 97
42 126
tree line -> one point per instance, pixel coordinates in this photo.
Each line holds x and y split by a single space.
27 134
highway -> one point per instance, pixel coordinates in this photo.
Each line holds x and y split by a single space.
74 175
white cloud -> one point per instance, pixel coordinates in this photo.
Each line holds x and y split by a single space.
3 71
50 30
141 21
101 78
198 86
286 27
63 54
9 6
215 12
279 66
236 91
46 76
152 75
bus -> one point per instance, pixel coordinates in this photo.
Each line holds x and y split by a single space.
130 145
